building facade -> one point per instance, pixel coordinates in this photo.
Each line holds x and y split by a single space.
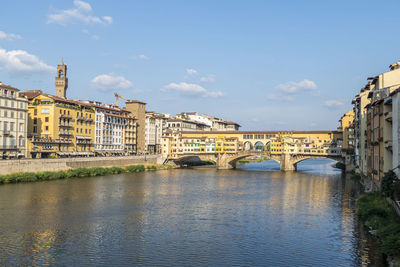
376 126
13 123
59 127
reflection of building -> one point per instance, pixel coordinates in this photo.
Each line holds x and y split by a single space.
13 122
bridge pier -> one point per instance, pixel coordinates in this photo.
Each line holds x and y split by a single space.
223 162
287 163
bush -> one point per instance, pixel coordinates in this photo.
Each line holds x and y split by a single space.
44 176
377 213
2 178
340 165
27 177
135 168
387 184
116 170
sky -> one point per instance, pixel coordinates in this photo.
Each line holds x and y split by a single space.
267 65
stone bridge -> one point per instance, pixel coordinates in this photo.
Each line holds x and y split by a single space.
287 161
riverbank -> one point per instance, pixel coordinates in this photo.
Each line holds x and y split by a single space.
27 177
379 216
62 164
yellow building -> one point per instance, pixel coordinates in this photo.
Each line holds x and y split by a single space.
58 127
348 142
130 135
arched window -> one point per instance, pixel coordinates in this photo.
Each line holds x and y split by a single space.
60 73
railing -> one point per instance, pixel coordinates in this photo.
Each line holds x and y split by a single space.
65 116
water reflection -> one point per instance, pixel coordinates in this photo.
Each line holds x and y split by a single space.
248 216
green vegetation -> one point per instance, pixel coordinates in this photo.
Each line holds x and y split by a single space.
340 165
376 213
390 185
75 173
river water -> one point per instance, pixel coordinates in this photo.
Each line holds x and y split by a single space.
252 216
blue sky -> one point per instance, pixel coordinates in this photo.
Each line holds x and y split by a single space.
268 65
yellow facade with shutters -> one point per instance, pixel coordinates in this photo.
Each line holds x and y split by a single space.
59 127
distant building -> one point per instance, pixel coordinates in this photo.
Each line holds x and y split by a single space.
155 126
348 142
213 123
13 122
138 110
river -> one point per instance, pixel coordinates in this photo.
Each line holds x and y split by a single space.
252 216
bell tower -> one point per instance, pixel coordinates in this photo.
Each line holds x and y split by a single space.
61 80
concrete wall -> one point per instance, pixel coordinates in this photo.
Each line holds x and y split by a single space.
36 165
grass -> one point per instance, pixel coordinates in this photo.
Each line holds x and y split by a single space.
27 177
376 213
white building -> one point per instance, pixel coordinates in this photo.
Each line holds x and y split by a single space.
154 128
13 122
110 123
213 123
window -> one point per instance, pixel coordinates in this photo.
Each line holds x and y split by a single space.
46 128
35 121
35 112
46 119
21 115
35 129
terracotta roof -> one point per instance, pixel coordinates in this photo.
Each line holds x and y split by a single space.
30 94
231 122
8 86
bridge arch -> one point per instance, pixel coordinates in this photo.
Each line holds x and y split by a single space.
259 146
248 146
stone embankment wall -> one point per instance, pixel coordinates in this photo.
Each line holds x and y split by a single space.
36 165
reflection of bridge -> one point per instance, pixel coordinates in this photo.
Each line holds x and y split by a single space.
287 161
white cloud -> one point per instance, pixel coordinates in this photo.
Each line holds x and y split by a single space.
333 104
191 72
141 56
208 79
9 36
81 12
22 61
280 97
92 36
110 81
191 89
296 87
108 19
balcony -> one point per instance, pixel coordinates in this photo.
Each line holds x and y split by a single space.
50 141
10 147
6 132
65 124
64 133
64 116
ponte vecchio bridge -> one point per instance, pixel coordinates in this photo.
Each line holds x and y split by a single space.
288 148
